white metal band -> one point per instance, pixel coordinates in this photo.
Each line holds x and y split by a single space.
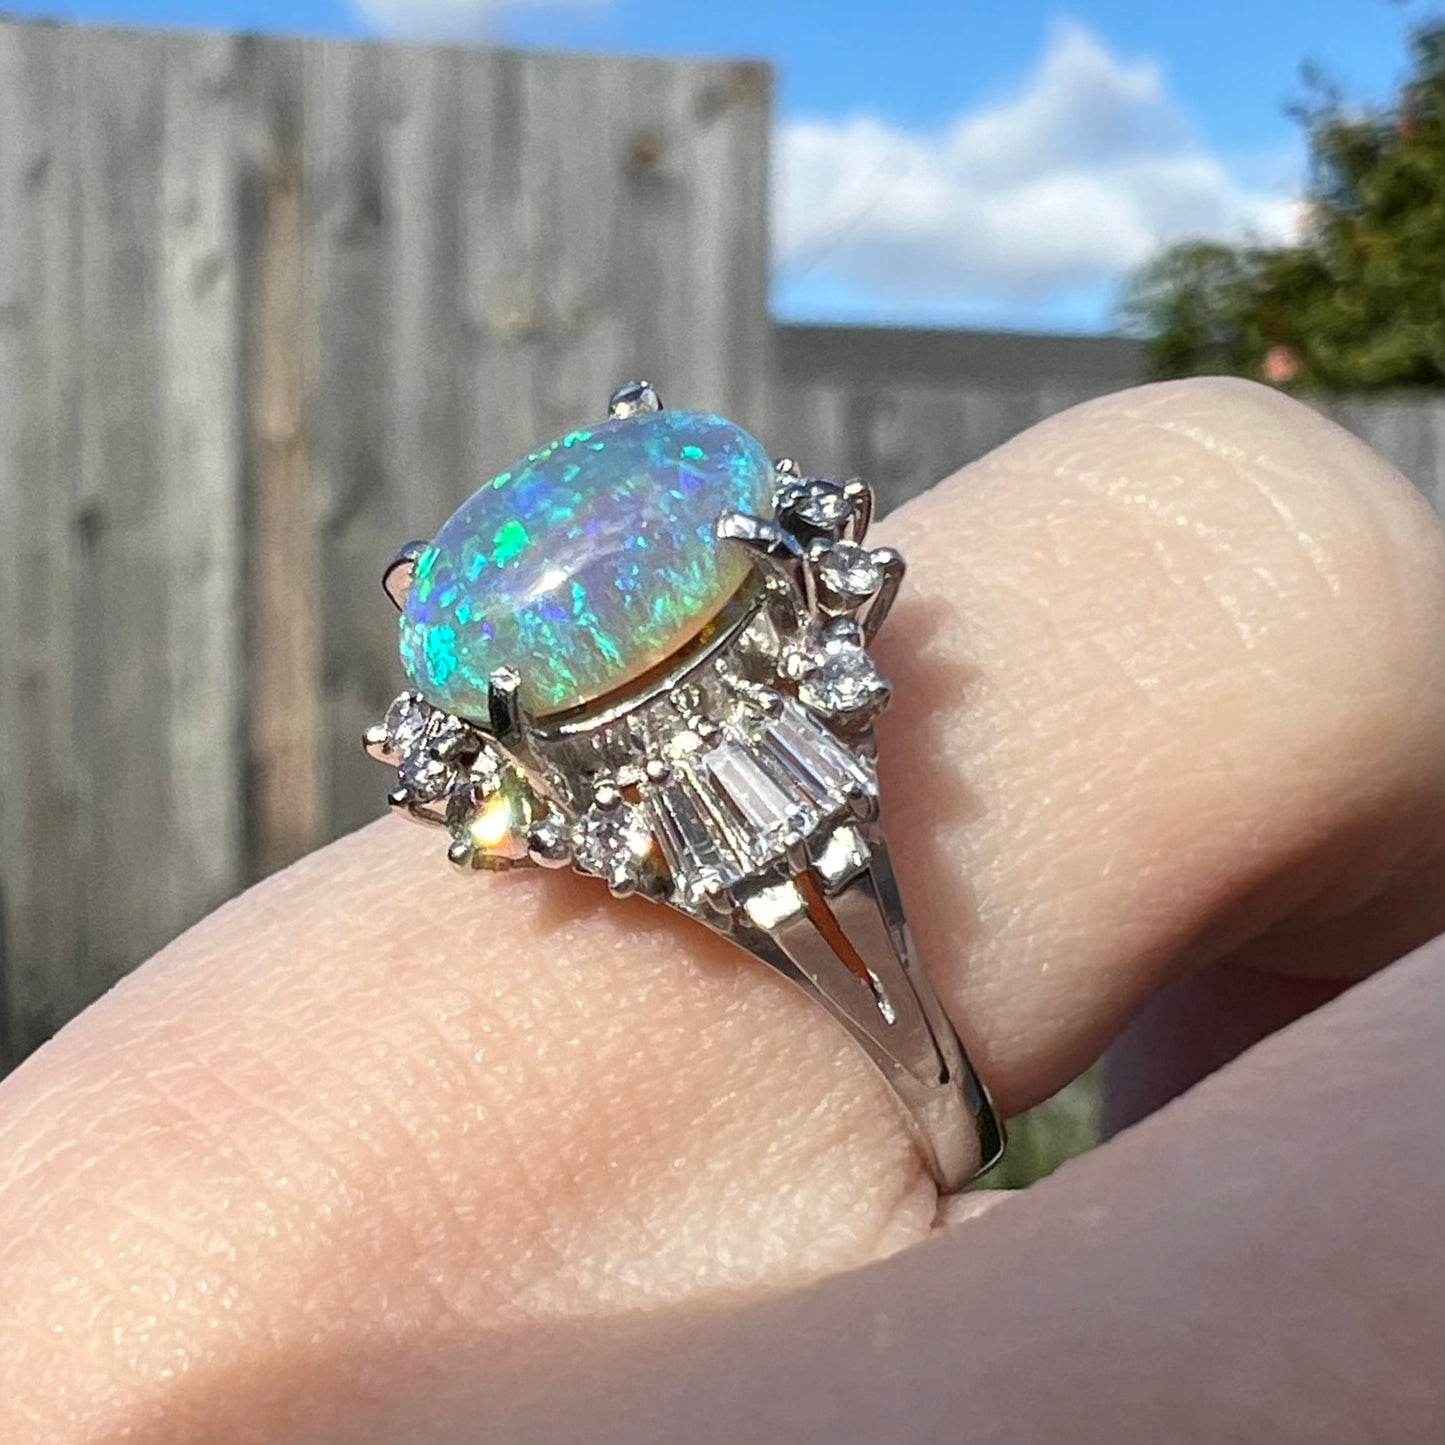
845 941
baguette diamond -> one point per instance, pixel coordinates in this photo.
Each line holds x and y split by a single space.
737 808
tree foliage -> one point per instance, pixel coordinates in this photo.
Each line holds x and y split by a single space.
1359 301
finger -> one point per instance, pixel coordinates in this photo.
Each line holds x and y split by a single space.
374 1104
1196 1024
1181 651
1200 1021
1219 1273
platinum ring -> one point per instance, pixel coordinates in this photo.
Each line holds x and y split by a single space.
642 653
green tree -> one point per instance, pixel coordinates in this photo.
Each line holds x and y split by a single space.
1359 301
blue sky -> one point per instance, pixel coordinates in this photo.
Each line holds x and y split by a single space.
999 163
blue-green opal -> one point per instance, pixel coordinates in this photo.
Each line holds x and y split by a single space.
585 564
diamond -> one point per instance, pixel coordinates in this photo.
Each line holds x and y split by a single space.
424 775
486 769
773 816
826 770
686 699
681 744
735 810
843 681
435 750
405 722
850 571
818 503
611 843
699 859
451 739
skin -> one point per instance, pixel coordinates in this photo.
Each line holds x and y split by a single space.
1168 745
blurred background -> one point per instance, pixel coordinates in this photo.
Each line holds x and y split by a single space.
281 281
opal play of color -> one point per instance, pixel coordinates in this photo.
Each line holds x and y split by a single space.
584 565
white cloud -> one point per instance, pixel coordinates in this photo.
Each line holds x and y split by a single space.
1078 177
449 19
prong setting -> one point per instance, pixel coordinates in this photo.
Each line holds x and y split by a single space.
508 721
875 611
860 497
396 580
549 844
377 743
774 552
813 507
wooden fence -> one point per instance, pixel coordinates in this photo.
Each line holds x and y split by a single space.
266 308
904 408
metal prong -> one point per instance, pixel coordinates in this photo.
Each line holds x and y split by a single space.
720 899
759 534
606 794
843 629
622 885
401 802
881 603
797 855
633 398
461 853
863 805
396 580
861 495
787 467
506 717
378 744
774 550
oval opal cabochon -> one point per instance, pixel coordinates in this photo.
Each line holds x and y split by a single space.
585 564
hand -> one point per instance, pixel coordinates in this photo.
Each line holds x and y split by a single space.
379 1153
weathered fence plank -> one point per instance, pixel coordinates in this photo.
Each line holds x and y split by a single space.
43 952
904 408
121 694
285 813
348 235
195 509
155 642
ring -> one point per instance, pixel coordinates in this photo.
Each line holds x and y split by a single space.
642 652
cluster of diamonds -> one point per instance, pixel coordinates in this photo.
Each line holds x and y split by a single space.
747 763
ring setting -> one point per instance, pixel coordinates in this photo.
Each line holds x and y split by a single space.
642 652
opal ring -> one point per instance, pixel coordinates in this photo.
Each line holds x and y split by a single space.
642 653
